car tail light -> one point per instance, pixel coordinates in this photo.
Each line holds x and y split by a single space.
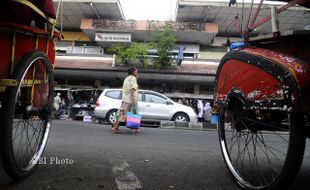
97 103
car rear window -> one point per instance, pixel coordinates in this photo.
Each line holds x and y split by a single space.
113 94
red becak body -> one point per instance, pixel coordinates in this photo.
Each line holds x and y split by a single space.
26 82
264 79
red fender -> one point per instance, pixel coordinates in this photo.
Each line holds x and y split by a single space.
264 79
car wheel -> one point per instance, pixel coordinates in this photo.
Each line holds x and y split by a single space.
111 116
180 117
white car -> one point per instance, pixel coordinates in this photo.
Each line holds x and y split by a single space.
152 106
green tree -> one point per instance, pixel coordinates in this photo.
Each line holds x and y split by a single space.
118 50
135 54
163 42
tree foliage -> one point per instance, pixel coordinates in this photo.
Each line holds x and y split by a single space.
132 55
163 42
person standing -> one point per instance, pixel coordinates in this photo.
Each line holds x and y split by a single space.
70 101
57 102
180 101
207 112
129 99
200 110
180 55
193 104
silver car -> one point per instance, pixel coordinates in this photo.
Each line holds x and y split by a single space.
152 106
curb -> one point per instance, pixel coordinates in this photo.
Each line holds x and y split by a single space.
187 125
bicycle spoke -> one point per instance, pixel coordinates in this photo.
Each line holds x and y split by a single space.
256 147
29 146
28 132
269 161
269 148
259 122
263 179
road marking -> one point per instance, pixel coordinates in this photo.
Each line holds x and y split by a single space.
124 178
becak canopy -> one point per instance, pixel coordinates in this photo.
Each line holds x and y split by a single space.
16 12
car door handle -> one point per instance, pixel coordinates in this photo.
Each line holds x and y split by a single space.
148 105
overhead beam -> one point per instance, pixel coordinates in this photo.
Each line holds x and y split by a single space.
109 75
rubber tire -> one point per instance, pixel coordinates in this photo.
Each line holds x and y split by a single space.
6 149
63 112
109 114
180 114
294 156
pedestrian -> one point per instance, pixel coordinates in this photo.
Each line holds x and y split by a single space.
70 101
180 101
200 110
180 55
57 102
63 104
194 105
129 99
207 112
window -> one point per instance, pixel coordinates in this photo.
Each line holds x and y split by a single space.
152 98
140 97
114 94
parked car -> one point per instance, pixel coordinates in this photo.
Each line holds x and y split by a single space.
152 106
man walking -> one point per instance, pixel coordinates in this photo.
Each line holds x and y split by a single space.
129 99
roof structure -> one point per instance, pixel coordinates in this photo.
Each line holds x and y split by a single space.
218 11
192 11
188 32
73 11
105 64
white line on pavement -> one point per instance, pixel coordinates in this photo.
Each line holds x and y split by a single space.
124 178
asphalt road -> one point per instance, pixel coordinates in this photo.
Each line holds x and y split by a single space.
88 156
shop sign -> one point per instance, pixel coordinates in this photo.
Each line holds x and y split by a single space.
113 37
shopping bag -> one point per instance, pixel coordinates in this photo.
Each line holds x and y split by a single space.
133 121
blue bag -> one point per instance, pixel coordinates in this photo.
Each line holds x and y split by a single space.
236 45
133 121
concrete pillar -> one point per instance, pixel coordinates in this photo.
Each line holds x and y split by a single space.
274 19
196 89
